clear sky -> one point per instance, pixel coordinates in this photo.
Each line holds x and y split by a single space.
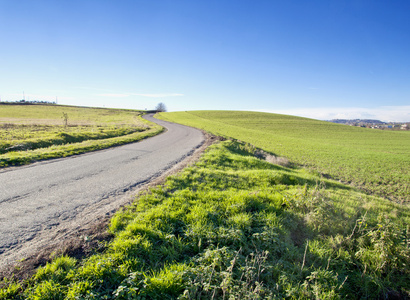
320 59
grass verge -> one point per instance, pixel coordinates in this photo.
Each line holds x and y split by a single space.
237 227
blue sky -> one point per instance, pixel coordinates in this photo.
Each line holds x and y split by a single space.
320 59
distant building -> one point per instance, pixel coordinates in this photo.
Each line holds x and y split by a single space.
368 123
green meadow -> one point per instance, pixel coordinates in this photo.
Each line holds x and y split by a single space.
30 133
236 226
376 161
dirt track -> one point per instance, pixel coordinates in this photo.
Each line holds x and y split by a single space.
78 228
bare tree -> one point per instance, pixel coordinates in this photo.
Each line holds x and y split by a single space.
161 107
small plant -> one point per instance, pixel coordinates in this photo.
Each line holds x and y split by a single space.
65 118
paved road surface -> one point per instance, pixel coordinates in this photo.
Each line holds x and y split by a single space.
39 197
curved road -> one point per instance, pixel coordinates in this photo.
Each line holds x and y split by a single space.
44 195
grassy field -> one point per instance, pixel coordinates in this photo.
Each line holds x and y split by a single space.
35 132
237 227
374 160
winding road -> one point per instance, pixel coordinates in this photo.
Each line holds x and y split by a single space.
46 196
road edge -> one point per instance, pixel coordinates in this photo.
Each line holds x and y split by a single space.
92 237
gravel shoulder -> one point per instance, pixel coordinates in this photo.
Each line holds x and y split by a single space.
75 227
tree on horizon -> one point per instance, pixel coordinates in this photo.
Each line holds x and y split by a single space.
161 107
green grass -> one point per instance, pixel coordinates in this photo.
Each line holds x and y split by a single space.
237 227
30 133
374 160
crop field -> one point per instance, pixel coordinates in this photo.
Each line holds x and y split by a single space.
234 226
35 132
376 161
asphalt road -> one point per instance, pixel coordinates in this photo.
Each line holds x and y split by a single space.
40 196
